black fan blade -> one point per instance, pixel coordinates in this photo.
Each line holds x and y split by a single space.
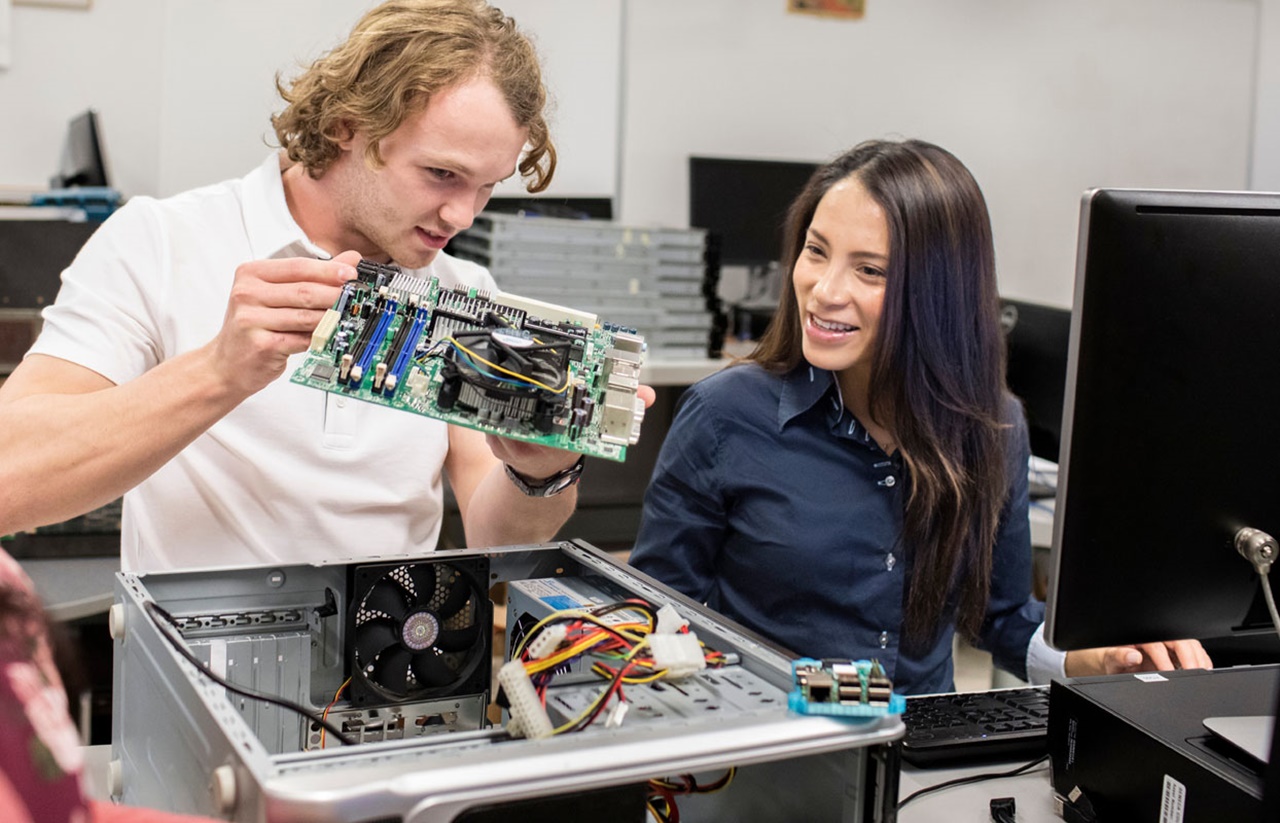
423 576
432 670
388 597
392 670
458 640
457 595
374 636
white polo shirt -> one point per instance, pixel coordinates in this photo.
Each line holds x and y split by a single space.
293 474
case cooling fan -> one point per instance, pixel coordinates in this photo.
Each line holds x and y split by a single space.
419 631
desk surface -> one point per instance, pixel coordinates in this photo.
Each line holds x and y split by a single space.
73 587
682 372
1031 792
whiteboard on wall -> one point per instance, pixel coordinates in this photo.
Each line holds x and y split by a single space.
219 61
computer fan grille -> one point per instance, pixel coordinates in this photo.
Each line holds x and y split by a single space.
419 630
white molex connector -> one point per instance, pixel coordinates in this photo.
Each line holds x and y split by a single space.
616 715
669 620
523 703
680 654
547 641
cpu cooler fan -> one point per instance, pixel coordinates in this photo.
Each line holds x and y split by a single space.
419 630
506 375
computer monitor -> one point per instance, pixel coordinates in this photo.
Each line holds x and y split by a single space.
743 204
83 162
1036 339
1171 431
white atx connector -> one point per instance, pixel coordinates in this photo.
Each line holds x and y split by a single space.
525 707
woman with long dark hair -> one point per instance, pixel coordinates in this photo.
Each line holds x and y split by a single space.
857 487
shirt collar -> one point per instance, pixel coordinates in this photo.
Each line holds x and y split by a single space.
806 387
270 226
803 388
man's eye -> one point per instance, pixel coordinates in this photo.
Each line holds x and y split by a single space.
441 174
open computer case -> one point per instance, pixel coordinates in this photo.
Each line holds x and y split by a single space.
419 715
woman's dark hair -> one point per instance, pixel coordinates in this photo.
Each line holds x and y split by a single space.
937 373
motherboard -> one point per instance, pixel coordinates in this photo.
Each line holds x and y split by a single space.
489 361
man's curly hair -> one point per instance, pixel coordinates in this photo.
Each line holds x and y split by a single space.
400 54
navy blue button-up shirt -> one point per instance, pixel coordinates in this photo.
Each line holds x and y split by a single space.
773 505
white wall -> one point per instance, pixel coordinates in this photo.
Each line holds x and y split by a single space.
64 61
217 100
1041 99
1265 166
184 88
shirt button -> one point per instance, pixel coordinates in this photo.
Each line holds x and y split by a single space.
884 640
888 482
342 402
890 561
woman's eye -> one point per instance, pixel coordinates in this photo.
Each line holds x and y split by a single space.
810 248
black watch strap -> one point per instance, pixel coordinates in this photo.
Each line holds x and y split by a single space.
547 486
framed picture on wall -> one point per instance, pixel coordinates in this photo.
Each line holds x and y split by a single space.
848 9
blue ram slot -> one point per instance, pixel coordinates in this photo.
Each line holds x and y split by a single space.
406 351
375 341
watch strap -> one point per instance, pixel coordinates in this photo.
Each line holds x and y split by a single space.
547 486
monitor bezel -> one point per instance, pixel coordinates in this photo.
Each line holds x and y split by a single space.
1066 626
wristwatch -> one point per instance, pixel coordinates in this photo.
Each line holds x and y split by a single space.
547 486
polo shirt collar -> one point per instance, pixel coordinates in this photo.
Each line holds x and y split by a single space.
270 226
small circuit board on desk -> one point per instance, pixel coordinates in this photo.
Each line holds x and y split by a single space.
843 688
494 362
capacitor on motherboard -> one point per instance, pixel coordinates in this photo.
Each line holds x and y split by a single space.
344 298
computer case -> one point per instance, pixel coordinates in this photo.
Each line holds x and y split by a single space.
428 748
1137 748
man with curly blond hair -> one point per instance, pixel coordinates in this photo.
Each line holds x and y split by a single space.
162 367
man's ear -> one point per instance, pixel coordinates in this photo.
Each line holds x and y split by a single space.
344 135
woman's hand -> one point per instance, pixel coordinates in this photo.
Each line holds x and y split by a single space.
1143 657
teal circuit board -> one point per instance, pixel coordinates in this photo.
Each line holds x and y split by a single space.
842 688
490 361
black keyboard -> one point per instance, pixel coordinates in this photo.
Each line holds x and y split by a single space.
953 729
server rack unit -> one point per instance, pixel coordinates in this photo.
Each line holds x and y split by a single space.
655 280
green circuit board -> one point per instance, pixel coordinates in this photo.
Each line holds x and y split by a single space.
489 361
